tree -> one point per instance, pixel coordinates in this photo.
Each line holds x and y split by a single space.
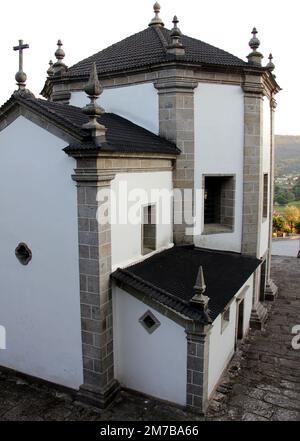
278 223
281 199
291 215
296 189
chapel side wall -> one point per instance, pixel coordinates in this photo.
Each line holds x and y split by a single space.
39 303
222 344
219 144
137 103
149 363
127 236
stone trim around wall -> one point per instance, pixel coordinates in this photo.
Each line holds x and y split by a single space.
176 123
63 87
99 387
198 338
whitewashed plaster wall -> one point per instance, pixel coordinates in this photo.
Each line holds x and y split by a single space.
219 145
138 103
264 238
155 364
126 236
39 303
222 344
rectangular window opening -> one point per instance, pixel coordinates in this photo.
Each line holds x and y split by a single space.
219 201
148 229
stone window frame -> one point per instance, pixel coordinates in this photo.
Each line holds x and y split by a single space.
265 196
150 314
143 206
219 229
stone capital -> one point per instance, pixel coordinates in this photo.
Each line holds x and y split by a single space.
92 177
175 86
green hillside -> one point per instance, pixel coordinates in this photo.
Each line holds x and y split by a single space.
287 155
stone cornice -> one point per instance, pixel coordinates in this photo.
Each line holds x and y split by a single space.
93 176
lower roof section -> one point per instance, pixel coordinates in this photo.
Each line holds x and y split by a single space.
170 276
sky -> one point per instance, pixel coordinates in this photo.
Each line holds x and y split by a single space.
87 27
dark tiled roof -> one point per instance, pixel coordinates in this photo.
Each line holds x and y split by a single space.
169 277
148 48
122 135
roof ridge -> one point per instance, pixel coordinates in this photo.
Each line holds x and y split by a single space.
150 285
161 37
63 117
106 48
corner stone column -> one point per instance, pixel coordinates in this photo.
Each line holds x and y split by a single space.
99 386
176 123
271 290
197 367
253 185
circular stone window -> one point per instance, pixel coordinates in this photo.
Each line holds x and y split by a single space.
23 253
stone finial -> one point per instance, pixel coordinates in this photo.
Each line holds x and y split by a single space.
176 47
270 65
199 298
93 89
50 69
254 57
156 20
59 65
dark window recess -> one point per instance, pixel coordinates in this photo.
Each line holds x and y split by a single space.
23 253
219 194
265 200
148 229
149 322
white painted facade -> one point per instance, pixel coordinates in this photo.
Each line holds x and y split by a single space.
219 146
264 236
138 103
39 303
155 188
222 344
154 364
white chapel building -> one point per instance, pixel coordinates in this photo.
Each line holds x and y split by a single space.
102 288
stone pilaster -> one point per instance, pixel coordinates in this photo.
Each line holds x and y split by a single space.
99 385
176 123
271 289
253 183
197 367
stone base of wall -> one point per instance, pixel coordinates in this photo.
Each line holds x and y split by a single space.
258 316
98 397
271 291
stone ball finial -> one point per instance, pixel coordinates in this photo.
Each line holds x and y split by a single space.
21 77
50 71
254 43
270 65
93 89
176 32
176 47
156 20
255 57
59 53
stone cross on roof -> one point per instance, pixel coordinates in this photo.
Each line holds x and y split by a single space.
21 77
